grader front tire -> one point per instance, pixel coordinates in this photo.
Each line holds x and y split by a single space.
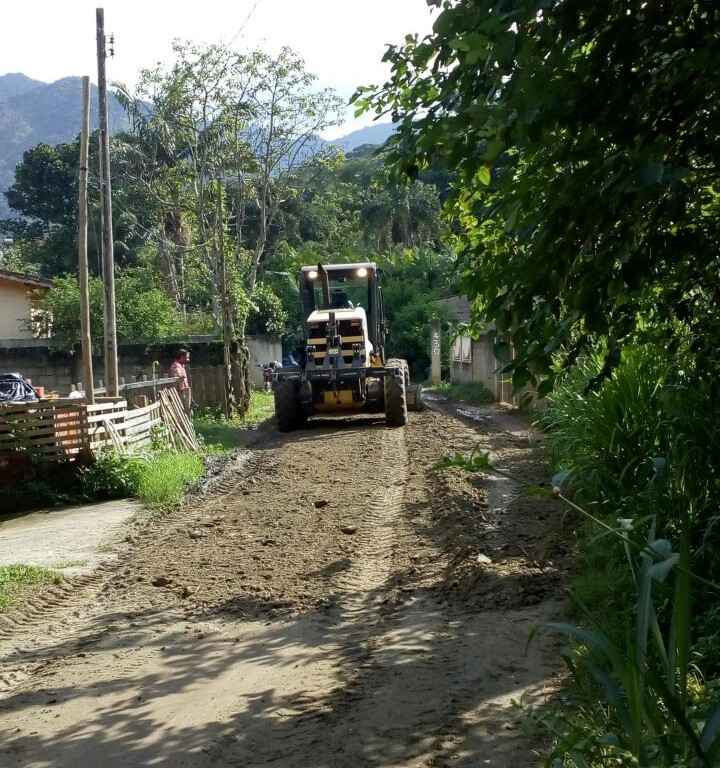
395 400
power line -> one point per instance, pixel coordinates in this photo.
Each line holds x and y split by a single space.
251 13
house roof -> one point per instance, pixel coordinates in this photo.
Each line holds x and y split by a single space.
458 308
459 311
30 280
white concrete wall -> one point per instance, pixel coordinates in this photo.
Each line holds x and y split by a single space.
262 349
15 306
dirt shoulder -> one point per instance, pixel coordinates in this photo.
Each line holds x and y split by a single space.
335 601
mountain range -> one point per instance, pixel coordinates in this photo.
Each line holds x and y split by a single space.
33 112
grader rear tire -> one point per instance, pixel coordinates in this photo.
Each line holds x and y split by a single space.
287 406
395 400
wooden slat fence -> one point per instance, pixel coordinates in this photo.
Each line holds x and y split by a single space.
50 430
54 430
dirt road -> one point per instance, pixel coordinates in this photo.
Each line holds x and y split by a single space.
333 602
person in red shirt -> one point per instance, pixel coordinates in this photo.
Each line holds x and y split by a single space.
178 370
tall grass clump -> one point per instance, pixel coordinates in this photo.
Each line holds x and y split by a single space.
639 701
159 479
608 437
166 476
645 441
220 434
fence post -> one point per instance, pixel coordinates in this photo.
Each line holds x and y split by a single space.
436 352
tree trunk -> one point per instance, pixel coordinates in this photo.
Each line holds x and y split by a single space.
240 371
235 352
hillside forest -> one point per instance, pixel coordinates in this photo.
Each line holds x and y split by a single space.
222 189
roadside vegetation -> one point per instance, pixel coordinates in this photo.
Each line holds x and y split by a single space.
466 392
222 434
159 478
586 222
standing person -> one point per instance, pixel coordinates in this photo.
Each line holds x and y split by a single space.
178 369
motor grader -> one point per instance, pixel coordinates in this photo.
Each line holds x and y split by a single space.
342 368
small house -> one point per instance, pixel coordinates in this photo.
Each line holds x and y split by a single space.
19 295
472 356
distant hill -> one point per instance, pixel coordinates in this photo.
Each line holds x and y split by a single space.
32 112
15 83
373 134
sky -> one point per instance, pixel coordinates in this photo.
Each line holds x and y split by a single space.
342 41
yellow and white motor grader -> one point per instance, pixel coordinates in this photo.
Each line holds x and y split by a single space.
343 368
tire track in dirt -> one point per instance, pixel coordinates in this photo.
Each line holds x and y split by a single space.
50 626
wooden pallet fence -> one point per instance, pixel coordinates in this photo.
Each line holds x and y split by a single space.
54 430
139 424
49 430
99 416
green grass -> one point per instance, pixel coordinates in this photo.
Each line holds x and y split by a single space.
15 579
467 392
164 478
221 434
262 407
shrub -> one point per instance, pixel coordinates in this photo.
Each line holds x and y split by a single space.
608 438
643 445
111 476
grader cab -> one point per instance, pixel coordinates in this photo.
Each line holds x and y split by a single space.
342 368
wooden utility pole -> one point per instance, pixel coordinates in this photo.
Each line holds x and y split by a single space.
228 329
101 268
87 365
101 249
111 355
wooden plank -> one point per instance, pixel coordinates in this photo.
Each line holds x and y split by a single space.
135 439
10 439
116 439
37 413
34 429
102 407
50 405
144 427
131 418
52 440
134 412
100 417
31 424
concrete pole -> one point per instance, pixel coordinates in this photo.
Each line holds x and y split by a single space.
87 361
111 353
435 352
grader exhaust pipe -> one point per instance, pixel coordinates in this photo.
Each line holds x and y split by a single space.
325 281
